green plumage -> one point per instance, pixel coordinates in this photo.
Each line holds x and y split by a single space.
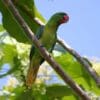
48 37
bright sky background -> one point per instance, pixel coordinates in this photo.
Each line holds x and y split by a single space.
83 30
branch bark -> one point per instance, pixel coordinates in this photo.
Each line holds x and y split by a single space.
81 60
44 52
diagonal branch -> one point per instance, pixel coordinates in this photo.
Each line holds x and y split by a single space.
44 52
81 60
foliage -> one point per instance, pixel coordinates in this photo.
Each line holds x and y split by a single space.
1 28
28 11
78 73
14 51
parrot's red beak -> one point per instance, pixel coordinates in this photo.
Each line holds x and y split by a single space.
65 19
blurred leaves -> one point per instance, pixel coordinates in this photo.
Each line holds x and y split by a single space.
1 28
28 11
59 91
13 53
78 73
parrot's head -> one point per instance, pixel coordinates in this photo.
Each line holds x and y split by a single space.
59 18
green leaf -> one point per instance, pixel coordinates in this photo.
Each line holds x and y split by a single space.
9 56
8 53
59 91
71 97
11 25
1 28
14 54
34 93
28 11
77 72
22 94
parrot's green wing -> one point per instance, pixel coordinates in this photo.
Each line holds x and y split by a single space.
39 32
38 35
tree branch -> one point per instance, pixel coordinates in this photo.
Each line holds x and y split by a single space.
81 60
44 52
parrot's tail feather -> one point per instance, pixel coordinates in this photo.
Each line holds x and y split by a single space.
31 76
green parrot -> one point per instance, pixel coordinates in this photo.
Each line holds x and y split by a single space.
47 36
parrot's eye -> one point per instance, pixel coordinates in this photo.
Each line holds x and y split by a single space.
64 19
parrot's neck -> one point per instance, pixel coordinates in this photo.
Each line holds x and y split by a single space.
53 26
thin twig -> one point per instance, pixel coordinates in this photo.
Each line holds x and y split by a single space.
81 60
44 52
